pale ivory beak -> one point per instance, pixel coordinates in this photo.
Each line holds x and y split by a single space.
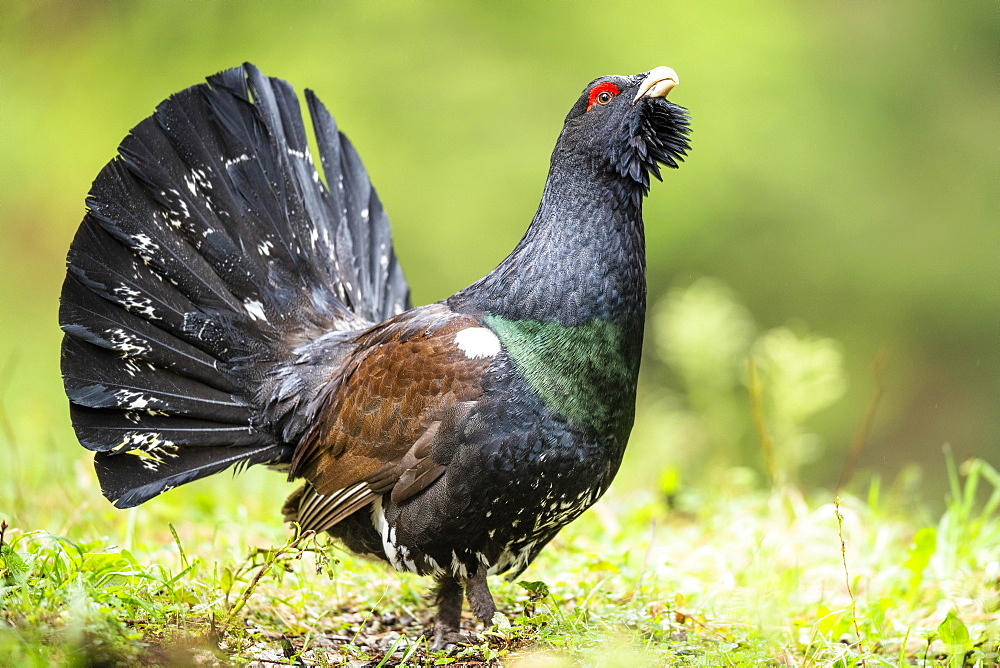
657 83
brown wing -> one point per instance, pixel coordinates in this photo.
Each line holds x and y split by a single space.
405 381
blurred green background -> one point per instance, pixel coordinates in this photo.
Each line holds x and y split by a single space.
841 197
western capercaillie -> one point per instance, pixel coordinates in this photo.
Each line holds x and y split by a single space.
226 305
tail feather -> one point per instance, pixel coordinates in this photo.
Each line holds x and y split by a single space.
135 480
111 271
199 209
364 228
211 257
123 209
98 378
120 431
101 323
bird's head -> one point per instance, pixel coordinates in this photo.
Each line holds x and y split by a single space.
624 126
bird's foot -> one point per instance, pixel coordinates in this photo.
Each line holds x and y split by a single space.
448 636
449 615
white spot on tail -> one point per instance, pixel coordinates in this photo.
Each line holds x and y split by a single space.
477 342
131 400
145 247
150 447
133 302
243 157
125 343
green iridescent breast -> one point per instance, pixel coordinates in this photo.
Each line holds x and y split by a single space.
587 372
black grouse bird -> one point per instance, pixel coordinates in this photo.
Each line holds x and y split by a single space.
225 305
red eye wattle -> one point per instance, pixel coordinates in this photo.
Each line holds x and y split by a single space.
602 94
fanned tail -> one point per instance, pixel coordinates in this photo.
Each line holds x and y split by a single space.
211 281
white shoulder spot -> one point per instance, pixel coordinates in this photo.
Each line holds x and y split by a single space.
477 342
255 309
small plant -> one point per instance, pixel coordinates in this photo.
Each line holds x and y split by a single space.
740 384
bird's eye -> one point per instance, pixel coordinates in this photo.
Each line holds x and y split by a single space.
602 94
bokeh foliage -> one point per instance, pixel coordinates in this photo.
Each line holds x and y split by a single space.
844 175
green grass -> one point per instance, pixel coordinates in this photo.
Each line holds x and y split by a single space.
734 575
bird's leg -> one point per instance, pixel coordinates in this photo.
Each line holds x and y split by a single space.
480 599
449 613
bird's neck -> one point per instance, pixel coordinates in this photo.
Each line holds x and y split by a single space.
582 258
569 302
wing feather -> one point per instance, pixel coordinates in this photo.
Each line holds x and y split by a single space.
402 391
